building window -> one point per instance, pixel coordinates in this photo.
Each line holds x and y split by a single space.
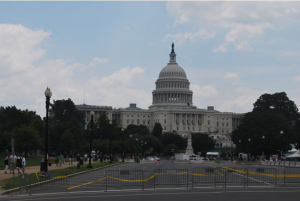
177 127
143 121
208 116
208 122
184 128
138 121
165 128
131 115
182 121
199 128
127 115
187 121
127 121
217 123
222 130
148 122
138 115
223 124
199 122
165 121
208 129
227 124
132 121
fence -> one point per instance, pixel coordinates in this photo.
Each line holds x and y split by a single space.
179 177
233 176
47 182
120 178
291 175
23 183
261 175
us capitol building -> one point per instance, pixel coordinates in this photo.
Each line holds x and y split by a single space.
172 107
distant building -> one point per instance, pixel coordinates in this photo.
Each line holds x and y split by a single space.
172 107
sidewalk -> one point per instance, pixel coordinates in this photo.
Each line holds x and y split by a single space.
33 169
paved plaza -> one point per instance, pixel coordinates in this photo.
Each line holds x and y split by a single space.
167 178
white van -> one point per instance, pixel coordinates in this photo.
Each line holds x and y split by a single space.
195 157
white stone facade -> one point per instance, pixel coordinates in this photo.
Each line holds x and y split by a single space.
172 107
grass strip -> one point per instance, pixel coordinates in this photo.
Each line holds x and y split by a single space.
35 178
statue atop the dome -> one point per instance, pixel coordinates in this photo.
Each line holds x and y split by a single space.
172 48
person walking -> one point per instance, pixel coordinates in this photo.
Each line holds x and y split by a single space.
23 164
70 157
60 159
65 157
12 163
56 160
6 163
19 163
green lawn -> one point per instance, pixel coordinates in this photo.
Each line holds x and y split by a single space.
30 161
34 178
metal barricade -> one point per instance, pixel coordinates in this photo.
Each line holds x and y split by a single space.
291 175
121 178
23 182
177 177
203 176
235 176
261 175
42 182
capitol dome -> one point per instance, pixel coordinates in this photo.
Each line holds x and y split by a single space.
172 87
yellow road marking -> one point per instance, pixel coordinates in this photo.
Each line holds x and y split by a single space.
87 183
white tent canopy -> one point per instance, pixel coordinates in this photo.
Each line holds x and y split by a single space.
294 155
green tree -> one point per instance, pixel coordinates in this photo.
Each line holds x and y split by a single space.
272 113
202 142
66 142
154 143
173 138
140 129
170 149
157 130
26 139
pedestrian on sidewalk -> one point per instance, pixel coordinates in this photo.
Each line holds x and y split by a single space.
85 157
19 163
65 157
6 163
12 161
60 159
70 157
56 161
23 164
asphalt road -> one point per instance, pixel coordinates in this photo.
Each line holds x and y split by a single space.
140 185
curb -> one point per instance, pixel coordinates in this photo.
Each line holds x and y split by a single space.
71 175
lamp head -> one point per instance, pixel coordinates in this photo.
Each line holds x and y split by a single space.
122 129
281 132
48 92
110 122
92 113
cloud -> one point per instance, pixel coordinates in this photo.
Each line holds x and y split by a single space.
240 26
97 60
243 101
290 54
204 91
296 78
181 38
23 80
221 48
19 47
231 76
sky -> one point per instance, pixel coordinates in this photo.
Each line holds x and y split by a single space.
111 53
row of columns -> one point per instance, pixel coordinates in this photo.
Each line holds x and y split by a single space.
172 98
197 119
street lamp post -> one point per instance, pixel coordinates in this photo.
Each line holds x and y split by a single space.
123 144
281 134
249 140
92 113
136 147
110 123
48 95
131 143
263 153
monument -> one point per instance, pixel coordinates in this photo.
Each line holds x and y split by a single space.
189 149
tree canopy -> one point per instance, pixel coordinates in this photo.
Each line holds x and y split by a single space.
202 142
157 130
272 113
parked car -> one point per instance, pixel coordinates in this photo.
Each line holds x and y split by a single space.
149 158
156 158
